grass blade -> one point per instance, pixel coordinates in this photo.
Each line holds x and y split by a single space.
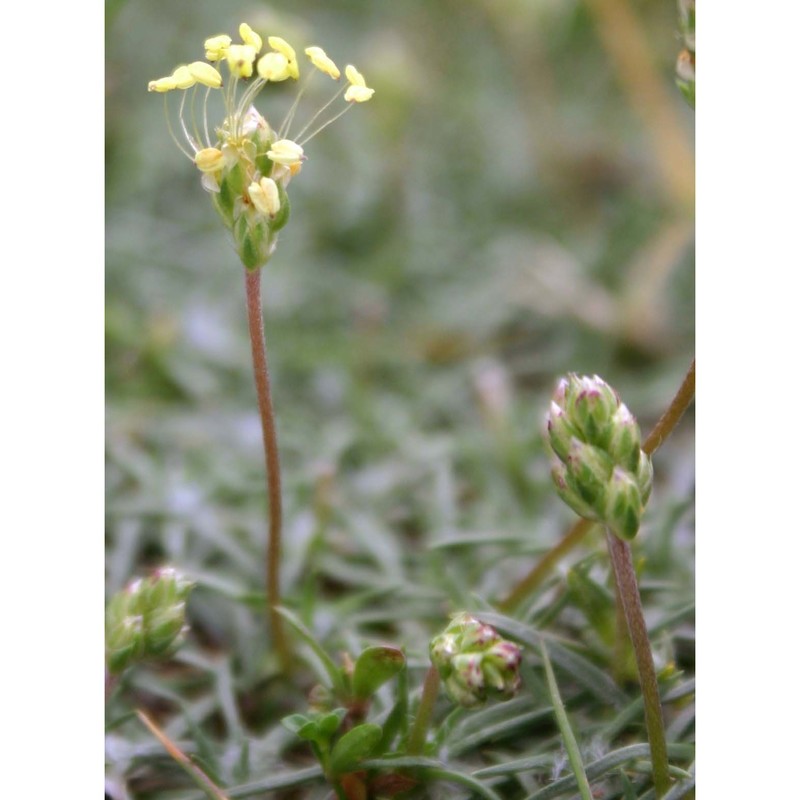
567 734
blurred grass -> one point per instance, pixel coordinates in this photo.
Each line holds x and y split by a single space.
507 208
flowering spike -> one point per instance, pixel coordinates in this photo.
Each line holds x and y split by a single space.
146 620
474 660
245 164
249 36
601 473
321 61
285 49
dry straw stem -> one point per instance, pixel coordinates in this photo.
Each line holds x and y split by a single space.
202 780
626 44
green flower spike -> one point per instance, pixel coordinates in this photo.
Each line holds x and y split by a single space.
601 473
246 165
146 620
474 661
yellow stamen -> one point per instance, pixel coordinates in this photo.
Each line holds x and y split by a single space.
321 61
249 36
217 47
286 152
205 74
285 49
273 67
240 59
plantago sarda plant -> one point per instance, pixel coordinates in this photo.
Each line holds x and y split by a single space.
246 164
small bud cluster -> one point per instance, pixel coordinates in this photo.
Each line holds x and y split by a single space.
146 620
246 165
473 661
602 472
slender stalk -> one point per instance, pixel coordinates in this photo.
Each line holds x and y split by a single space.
567 734
416 741
542 568
269 434
672 416
628 588
663 428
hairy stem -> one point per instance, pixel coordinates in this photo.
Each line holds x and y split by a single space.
663 428
416 741
628 589
269 434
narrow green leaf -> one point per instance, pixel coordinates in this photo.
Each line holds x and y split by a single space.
567 734
334 673
354 746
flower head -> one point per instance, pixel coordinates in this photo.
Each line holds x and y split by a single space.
601 471
245 163
473 660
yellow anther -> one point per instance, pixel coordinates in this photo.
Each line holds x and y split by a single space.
354 76
358 91
162 85
264 196
285 49
240 59
205 74
249 36
321 61
273 67
183 77
209 159
286 152
217 47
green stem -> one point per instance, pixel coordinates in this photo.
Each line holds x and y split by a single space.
416 741
567 734
270 438
664 427
628 588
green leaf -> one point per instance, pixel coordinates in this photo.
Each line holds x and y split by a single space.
567 734
354 746
334 673
374 667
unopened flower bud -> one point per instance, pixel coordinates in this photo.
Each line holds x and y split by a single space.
146 620
602 473
473 661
